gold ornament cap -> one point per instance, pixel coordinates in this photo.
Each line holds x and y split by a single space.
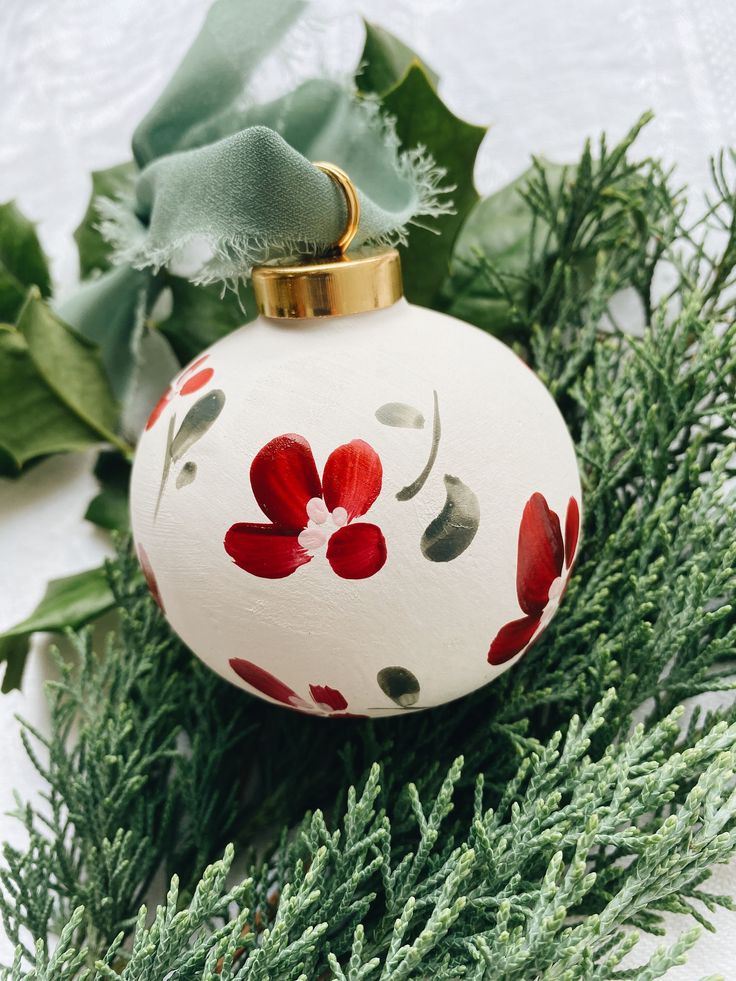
334 285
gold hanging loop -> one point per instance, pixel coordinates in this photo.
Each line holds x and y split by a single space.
352 203
336 284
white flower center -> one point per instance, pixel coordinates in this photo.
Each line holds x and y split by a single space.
321 524
555 594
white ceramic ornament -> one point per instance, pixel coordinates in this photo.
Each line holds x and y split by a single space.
357 515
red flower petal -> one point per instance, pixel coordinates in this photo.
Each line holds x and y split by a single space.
572 530
357 551
159 407
265 550
265 682
284 478
329 697
541 553
512 638
196 382
150 577
352 478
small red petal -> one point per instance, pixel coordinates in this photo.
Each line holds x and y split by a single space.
329 697
511 639
352 478
264 682
196 382
541 554
572 530
284 478
357 551
150 578
159 407
192 367
265 550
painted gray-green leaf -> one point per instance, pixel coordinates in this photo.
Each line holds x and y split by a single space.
401 415
196 422
399 684
187 474
455 526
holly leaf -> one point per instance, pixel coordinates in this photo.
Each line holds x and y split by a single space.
109 509
70 365
34 421
502 232
13 651
22 262
422 118
54 395
94 251
385 60
69 602
201 315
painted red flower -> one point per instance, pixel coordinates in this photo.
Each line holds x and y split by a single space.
306 513
325 700
542 571
149 576
189 381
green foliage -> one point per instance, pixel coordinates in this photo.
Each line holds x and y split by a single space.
518 833
22 262
69 366
55 394
109 508
69 602
139 782
385 61
422 119
503 230
34 420
516 890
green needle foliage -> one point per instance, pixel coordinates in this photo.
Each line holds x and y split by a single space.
528 831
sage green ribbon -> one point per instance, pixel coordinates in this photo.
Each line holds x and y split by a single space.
232 179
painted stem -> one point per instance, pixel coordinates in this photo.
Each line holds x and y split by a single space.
167 463
411 490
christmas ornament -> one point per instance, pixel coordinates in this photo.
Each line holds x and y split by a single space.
353 506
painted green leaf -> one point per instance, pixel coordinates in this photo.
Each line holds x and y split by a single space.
196 422
400 415
110 509
34 420
201 315
94 251
186 475
399 684
385 60
501 229
22 262
422 118
455 527
68 602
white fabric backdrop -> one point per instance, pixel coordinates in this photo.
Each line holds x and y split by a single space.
76 75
